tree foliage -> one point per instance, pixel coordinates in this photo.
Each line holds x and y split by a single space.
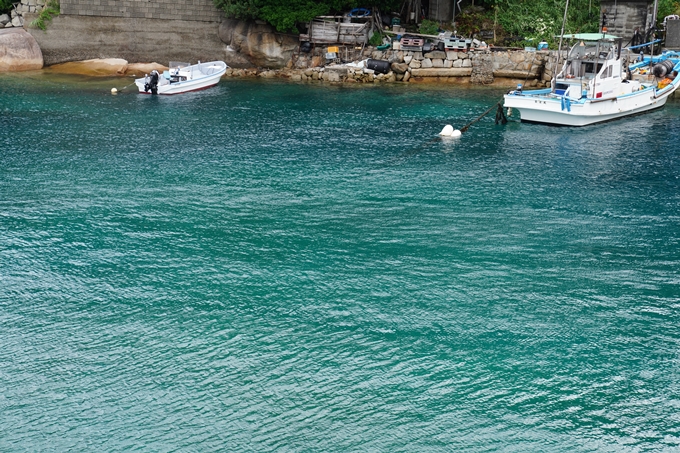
5 6
529 21
50 10
666 8
542 20
284 15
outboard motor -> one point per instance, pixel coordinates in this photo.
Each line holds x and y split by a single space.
152 84
662 69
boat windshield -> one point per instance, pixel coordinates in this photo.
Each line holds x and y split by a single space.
586 59
591 50
179 64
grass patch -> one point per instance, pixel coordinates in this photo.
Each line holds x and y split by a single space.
50 10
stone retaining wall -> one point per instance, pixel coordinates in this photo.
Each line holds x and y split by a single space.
188 10
533 69
480 67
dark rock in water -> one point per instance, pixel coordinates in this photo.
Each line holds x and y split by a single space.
19 51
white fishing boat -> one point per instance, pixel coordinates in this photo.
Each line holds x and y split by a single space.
597 84
182 77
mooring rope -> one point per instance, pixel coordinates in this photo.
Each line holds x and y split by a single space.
501 118
498 105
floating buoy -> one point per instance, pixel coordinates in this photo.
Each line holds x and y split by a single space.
449 131
114 91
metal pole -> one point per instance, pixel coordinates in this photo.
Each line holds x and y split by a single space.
559 48
652 27
564 21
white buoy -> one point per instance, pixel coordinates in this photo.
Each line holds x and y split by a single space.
114 91
449 131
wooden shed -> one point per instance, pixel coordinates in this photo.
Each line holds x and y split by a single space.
338 30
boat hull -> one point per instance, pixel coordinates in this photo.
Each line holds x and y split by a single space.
552 110
201 82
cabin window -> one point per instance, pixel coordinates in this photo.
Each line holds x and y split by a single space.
604 75
589 67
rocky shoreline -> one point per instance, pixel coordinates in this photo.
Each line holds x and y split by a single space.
256 50
477 67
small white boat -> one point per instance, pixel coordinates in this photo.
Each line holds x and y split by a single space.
596 84
182 77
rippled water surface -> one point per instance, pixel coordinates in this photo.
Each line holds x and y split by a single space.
275 266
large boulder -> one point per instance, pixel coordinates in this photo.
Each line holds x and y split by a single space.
19 51
253 44
399 68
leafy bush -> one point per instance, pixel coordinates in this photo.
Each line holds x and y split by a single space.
666 8
285 15
50 10
375 40
473 20
5 6
534 21
429 27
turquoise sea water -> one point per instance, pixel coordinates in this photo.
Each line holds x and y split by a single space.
269 266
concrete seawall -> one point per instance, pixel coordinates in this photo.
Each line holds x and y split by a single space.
74 38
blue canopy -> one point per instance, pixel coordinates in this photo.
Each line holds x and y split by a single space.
588 36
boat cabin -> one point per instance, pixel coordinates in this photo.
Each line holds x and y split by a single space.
593 69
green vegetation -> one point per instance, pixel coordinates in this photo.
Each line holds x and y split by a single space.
5 6
286 15
429 27
50 10
524 22
666 8
511 22
375 40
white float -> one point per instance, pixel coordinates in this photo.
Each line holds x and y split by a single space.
449 131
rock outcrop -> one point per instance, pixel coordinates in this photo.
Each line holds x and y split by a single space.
253 44
19 51
106 67
97 67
